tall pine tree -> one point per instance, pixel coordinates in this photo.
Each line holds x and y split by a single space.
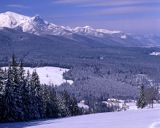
141 103
13 94
35 90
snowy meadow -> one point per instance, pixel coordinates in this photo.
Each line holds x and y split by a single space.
147 118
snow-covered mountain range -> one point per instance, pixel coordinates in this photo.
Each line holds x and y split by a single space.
37 26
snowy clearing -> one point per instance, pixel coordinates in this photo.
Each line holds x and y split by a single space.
49 75
147 118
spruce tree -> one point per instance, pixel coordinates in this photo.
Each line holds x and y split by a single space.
37 104
13 94
2 90
71 107
49 102
63 110
74 109
23 81
141 103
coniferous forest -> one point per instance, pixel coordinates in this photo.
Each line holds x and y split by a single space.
23 98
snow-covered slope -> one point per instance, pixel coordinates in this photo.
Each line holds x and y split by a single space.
35 25
87 30
12 20
49 75
108 31
148 118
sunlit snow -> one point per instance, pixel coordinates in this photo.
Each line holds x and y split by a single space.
146 118
155 54
50 75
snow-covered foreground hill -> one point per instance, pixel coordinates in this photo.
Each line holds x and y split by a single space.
147 118
49 75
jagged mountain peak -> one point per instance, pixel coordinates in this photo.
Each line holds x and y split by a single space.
35 25
39 20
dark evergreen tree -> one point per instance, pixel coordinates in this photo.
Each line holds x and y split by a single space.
70 104
74 109
36 101
141 103
50 106
26 98
2 90
21 73
62 108
13 94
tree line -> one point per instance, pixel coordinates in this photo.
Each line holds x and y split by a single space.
23 98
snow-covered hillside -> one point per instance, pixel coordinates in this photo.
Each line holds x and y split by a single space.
147 118
49 75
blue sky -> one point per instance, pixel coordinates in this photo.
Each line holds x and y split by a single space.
135 16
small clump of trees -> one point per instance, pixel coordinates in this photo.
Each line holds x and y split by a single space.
23 98
147 96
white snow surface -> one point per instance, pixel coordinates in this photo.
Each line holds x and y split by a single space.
87 30
132 106
147 118
82 104
108 31
155 54
123 37
49 75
